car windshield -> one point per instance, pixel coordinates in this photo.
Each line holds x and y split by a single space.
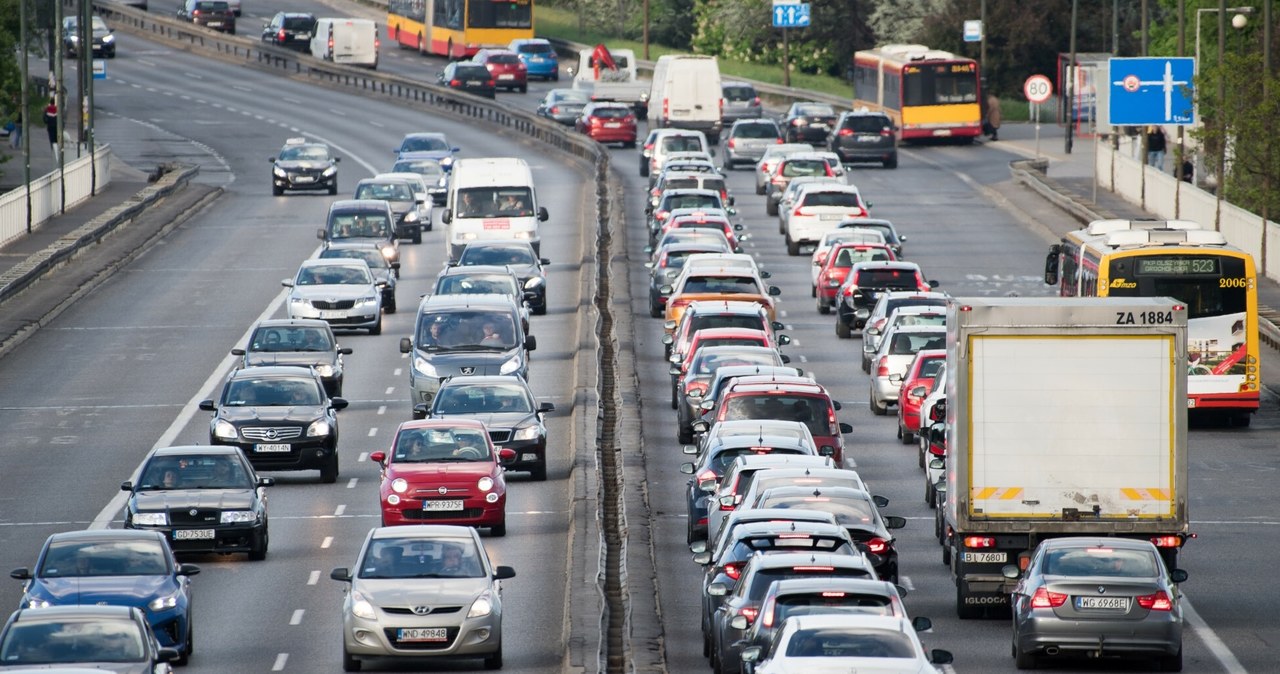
54 641
299 23
681 144
721 460
271 392
337 275
372 256
463 284
304 153
841 199
194 472
931 366
866 124
277 339
424 144
535 48
844 642
571 97
814 110
728 285
814 603
848 256
384 191
104 558
707 363
849 512
482 399
502 58
471 330
804 167
885 230
745 321
426 167
435 445
421 558
489 202
809 410
213 6
611 112
367 225
1100 561
678 184
768 131
475 70
499 255
911 320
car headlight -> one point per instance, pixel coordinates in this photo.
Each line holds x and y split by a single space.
485 483
361 607
318 428
526 433
422 367
325 370
279 172
151 519
225 430
367 301
522 235
534 283
446 162
482 606
399 485
389 252
108 39
411 216
330 171
512 364
238 516
75 38
162 603
299 302
38 603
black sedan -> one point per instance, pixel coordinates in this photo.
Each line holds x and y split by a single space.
808 123
472 78
304 166
855 510
202 498
280 417
103 40
510 413
297 341
521 259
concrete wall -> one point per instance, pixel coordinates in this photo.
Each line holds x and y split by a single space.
46 193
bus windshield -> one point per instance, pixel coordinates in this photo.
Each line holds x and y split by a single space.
939 85
1203 294
499 14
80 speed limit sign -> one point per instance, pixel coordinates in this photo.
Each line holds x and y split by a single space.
1037 88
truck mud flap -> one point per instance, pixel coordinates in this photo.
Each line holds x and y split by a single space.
981 598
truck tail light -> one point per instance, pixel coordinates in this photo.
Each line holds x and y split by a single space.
1154 602
666 108
979 541
331 43
1167 541
1046 599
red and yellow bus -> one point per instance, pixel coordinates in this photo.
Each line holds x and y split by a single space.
458 28
927 93
1177 258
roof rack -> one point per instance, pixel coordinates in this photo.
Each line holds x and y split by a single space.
1164 237
1104 227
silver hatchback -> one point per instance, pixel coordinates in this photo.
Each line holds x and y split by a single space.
890 363
747 140
422 591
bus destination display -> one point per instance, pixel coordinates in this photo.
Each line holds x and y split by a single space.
1174 266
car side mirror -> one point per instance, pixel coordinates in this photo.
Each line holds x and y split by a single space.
938 656
675 370
337 160
544 408
895 379
1178 575
338 403
420 411
895 522
738 622
406 345
288 283
570 71
506 456
346 351
702 557
698 546
266 482
237 352
784 340
1010 571
21 573
447 216
503 573
731 210
717 589
774 291
127 485
826 450
778 325
168 654
530 342
271 160
320 234
686 468
700 426
937 464
342 574
707 405
933 284
837 405
845 428
921 624
750 655
544 261
543 215
784 358
208 405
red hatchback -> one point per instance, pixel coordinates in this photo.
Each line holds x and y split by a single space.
506 68
787 399
608 123
836 266
444 471
916 386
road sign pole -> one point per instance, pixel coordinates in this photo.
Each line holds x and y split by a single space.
1035 112
786 60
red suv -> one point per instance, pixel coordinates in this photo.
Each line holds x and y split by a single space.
444 471
508 71
916 386
608 123
788 399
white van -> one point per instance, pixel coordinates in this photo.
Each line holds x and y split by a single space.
686 94
491 199
347 41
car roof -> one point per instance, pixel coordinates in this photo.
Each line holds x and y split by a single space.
789 385
713 333
919 329
784 462
382 180
113 611
837 584
851 620
359 205
725 442
887 264
766 527
333 262
725 307
776 424
107 534
197 450
485 380
742 517
1096 542
271 371
422 531
345 244
917 309
782 559
833 491
465 301
292 322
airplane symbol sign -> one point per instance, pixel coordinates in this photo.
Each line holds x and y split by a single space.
1151 91
790 14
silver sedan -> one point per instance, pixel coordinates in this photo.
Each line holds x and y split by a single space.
339 291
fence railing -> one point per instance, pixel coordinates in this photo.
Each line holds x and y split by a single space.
77 177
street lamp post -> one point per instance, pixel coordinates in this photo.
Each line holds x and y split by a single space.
1238 21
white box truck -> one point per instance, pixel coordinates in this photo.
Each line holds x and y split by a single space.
608 84
1065 416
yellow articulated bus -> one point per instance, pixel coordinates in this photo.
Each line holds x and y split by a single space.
926 92
1178 259
458 28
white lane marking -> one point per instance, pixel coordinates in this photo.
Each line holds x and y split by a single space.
108 512
364 456
328 541
382 409
145 62
782 313
313 577
296 618
281 658
905 581
373 432
337 112
390 390
239 87
396 372
351 484
191 76
1221 653
294 101
804 358
375 124
342 508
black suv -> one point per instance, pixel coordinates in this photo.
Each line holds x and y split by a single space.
472 78
290 29
304 166
212 14
863 136
280 417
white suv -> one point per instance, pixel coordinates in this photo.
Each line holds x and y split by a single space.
818 209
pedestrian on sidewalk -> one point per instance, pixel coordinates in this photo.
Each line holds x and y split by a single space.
15 136
991 126
1155 146
51 123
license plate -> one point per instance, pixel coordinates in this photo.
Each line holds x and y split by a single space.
193 534
528 457
612 125
422 634
304 179
986 557
506 77
473 83
868 139
215 24
822 127
333 314
276 447
831 217
1105 603
439 505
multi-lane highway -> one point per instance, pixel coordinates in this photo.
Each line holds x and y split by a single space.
121 371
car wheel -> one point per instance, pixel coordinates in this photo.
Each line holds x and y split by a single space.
877 408
921 452
188 647
770 207
907 436
494 660
928 493
684 435
541 309
675 401
539 472
333 188
813 291
823 307
793 247
891 162
417 235
349 663
1172 663
499 530
259 551
329 472
277 191
377 327
644 168
655 310
556 76
706 644
390 306
842 329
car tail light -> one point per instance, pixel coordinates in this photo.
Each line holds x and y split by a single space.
886 132
1167 541
377 44
1154 602
733 570
698 387
778 141
493 82
833 279
648 146
800 210
831 420
1046 599
455 83
197 13
877 546
755 101
768 613
979 541
280 36
882 369
820 257
845 132
732 142
555 109
749 612
924 286
661 215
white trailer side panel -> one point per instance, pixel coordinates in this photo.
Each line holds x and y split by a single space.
1049 414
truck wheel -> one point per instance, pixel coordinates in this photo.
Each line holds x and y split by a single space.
946 555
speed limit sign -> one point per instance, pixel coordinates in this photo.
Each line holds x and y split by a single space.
1037 88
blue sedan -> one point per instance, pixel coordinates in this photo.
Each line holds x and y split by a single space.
121 567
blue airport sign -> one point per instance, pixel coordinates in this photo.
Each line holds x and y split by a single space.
790 15
1151 91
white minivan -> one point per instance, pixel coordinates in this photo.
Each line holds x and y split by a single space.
491 199
346 41
686 94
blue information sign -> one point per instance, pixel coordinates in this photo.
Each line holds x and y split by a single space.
1151 91
791 15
